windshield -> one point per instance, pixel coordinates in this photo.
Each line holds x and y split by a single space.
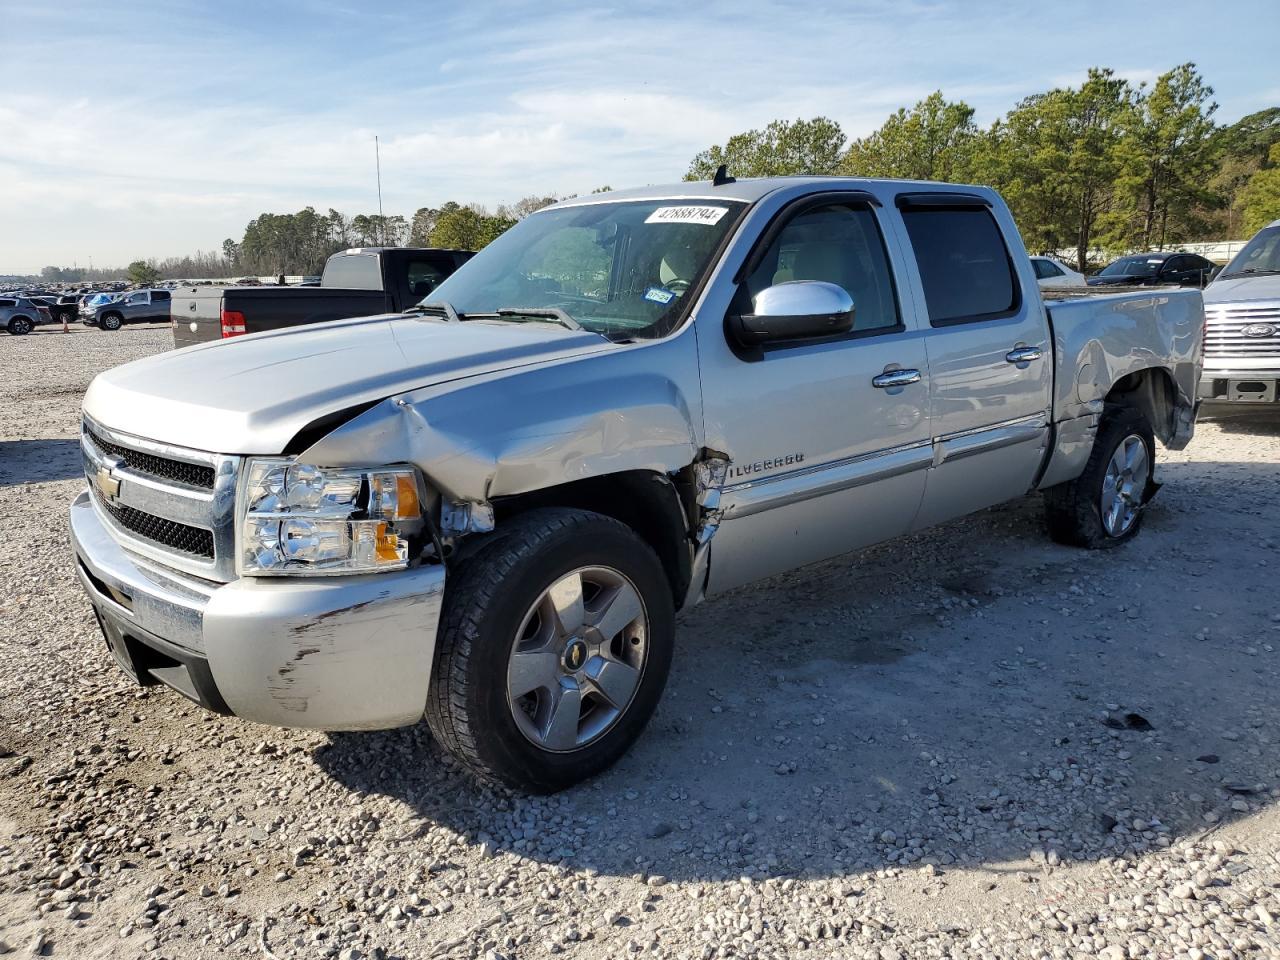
621 269
1260 255
1133 267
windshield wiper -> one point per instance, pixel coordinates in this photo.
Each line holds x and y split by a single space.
1253 272
540 313
441 307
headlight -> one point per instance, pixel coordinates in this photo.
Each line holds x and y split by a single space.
306 520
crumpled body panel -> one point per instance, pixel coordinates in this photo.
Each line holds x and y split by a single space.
634 408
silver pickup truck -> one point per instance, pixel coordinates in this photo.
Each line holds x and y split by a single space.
488 510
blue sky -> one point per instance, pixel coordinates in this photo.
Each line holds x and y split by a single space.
154 128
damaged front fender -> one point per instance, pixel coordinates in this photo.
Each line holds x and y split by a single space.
536 427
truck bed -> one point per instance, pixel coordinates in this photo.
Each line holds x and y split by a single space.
1100 338
197 311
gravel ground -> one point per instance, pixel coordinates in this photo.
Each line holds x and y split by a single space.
969 743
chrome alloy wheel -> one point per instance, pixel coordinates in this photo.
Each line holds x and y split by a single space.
577 659
1124 485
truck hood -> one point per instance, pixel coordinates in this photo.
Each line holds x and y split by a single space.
252 395
1230 289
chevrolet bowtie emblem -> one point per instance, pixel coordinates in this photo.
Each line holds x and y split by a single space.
107 483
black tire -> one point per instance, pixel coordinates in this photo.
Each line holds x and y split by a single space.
19 326
1073 509
489 593
111 321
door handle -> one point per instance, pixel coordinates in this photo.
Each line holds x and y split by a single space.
1023 354
895 378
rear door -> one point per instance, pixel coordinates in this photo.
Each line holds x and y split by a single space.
990 356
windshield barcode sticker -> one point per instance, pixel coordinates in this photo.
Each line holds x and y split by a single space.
705 215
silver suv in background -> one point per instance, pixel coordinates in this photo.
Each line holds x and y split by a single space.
1242 329
140 306
19 315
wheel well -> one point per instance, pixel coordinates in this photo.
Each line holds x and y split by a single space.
1152 392
647 502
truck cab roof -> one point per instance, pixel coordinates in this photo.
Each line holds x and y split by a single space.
752 189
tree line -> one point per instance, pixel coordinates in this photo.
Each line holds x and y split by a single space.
1107 164
299 243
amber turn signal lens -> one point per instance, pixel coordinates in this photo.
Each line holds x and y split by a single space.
387 547
407 506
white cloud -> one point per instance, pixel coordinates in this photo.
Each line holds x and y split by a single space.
208 116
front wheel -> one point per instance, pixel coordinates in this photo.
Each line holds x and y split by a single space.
554 648
1103 506
112 321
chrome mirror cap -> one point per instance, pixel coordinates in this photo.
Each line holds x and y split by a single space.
795 310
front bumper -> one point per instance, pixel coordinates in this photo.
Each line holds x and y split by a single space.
328 653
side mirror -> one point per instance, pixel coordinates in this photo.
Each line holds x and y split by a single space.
795 310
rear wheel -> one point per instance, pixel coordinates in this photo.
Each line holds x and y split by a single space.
111 321
19 326
1103 506
554 648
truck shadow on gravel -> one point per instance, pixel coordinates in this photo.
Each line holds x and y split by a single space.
37 461
974 695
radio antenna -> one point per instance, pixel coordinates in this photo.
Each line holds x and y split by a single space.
377 159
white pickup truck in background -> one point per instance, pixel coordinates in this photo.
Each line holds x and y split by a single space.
1242 330
489 509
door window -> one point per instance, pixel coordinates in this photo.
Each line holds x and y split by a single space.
964 265
159 296
137 297
1045 269
840 244
424 276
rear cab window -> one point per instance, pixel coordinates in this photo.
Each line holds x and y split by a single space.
964 265
353 271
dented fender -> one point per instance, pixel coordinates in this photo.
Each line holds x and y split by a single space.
536 427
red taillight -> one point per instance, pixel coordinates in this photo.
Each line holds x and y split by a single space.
232 323
45 311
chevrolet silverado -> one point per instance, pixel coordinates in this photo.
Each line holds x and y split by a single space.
487 511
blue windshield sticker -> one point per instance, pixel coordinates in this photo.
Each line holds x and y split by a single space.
659 295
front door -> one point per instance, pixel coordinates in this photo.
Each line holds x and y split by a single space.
828 453
990 359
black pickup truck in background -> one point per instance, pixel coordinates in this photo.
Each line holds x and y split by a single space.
355 283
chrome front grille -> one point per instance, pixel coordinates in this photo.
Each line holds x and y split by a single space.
1226 326
164 533
198 475
173 505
